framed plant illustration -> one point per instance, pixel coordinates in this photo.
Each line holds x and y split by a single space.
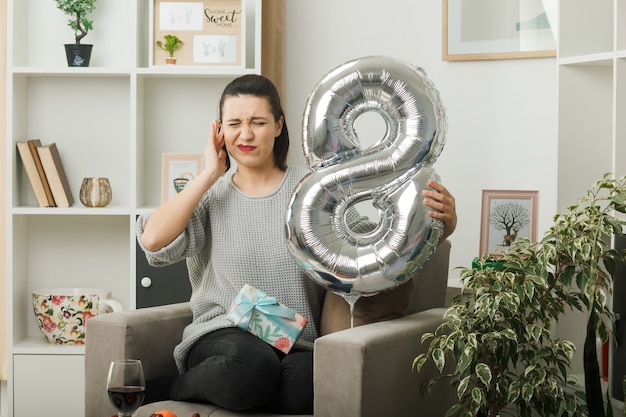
498 29
506 217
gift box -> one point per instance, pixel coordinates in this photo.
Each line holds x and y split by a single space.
263 316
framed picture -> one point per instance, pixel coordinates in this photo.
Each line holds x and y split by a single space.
506 217
178 171
498 29
212 31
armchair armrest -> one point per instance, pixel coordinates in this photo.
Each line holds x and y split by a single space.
148 334
368 370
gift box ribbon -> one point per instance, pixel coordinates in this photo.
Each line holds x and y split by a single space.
262 303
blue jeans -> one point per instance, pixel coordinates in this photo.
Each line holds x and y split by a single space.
235 370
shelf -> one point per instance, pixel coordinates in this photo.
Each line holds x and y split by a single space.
38 31
73 211
173 71
193 71
40 346
600 59
72 72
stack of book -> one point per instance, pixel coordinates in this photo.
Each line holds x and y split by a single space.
46 174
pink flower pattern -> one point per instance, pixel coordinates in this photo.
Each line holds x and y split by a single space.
62 319
282 343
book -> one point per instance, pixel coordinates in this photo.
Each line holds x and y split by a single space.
33 174
55 173
32 145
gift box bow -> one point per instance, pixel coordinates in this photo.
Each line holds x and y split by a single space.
249 301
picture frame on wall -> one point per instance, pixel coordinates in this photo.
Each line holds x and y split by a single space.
498 29
507 215
178 171
212 31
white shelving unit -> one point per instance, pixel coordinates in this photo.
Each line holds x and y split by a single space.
113 119
592 104
592 71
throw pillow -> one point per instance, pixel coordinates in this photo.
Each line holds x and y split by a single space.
386 305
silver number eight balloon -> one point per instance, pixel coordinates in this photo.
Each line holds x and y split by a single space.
325 234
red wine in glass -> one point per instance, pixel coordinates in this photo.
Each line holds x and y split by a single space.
126 399
126 386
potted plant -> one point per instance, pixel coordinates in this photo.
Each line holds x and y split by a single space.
171 44
78 55
498 331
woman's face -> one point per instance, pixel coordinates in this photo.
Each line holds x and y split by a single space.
250 130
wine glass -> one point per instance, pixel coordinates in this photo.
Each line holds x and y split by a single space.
126 386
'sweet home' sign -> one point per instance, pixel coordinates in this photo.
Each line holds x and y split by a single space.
211 31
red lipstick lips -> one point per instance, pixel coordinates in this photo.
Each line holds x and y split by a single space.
246 148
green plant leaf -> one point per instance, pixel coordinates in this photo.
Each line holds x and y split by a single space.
477 397
527 392
430 385
466 360
483 373
513 391
529 369
439 359
453 410
462 388
540 377
509 334
529 290
419 362
471 341
533 331
570 405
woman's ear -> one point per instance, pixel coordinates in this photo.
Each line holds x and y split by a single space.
279 126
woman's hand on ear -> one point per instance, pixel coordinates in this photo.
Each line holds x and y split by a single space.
215 151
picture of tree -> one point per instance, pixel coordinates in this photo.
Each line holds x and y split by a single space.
510 216
506 217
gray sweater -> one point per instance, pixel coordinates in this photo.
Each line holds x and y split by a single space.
234 239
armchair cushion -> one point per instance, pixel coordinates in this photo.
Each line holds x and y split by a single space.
384 306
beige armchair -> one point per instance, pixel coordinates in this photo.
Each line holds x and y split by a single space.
359 372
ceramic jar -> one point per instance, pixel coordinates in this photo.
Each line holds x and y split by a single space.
62 313
95 192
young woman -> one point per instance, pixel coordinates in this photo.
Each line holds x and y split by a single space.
229 226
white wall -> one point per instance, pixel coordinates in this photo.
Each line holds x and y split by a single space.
502 114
